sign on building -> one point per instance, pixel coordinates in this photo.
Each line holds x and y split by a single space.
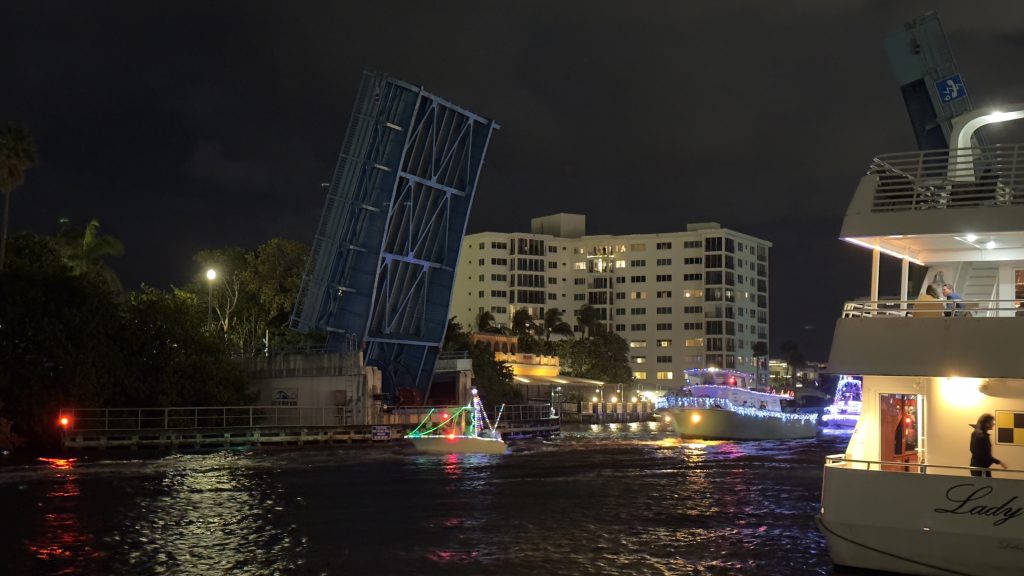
379 433
285 397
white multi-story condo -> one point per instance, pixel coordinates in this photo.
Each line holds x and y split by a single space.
683 300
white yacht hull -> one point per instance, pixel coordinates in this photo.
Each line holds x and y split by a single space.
716 424
458 445
840 421
928 524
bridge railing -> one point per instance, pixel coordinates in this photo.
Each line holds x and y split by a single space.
196 417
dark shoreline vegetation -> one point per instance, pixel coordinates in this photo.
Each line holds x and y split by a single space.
69 336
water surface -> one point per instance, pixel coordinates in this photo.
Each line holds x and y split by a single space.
615 499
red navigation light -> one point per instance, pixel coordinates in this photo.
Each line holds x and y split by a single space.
732 380
451 436
64 421
908 420
444 415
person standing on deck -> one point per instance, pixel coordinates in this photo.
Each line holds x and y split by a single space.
981 446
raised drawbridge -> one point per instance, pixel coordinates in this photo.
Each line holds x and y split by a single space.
383 261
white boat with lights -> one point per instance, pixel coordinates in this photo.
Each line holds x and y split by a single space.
844 412
720 412
902 498
458 430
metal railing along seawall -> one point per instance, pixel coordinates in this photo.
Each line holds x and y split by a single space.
201 417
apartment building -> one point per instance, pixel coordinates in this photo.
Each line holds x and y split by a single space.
683 300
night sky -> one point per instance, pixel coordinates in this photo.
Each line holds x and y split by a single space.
191 125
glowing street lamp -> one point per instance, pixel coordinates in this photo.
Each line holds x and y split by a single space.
211 275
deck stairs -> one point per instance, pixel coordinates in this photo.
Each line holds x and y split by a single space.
977 281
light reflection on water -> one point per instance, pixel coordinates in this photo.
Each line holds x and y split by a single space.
210 514
617 499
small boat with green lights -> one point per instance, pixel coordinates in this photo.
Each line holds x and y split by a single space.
459 430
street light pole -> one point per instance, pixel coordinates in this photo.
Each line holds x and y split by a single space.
211 275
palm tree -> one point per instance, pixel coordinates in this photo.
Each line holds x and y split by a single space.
759 351
522 323
84 251
485 321
794 358
553 323
17 154
587 317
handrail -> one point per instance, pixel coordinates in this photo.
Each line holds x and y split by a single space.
951 178
197 417
977 308
837 460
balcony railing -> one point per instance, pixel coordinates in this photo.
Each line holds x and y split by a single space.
957 178
932 309
841 461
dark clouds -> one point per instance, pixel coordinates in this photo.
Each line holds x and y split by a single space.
183 126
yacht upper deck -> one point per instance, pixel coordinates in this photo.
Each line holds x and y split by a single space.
919 338
918 204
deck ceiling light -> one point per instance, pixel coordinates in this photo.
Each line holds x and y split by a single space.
971 237
884 250
990 244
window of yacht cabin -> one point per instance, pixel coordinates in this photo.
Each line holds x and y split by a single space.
898 433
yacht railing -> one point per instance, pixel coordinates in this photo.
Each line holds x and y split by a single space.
726 404
955 178
932 309
841 461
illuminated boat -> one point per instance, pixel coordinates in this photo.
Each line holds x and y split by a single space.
903 497
452 434
845 409
716 412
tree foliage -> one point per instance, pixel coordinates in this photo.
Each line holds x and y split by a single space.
794 358
588 319
492 378
553 324
254 293
604 356
85 249
17 154
67 340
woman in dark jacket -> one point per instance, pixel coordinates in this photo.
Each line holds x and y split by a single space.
981 446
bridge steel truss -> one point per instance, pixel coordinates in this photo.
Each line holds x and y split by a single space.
383 261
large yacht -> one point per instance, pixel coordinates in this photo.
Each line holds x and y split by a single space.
902 498
720 406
